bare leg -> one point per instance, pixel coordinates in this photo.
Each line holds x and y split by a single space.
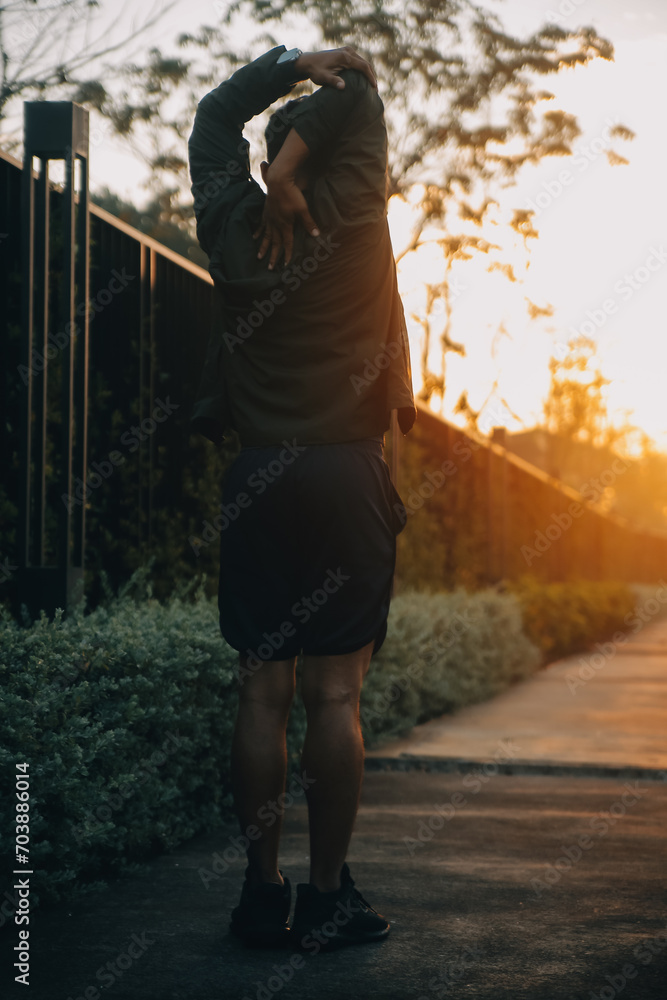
333 754
259 759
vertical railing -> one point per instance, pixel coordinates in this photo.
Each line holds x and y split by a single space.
149 340
53 130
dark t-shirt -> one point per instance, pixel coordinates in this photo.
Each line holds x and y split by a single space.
316 351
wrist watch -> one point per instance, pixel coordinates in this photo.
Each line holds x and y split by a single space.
291 57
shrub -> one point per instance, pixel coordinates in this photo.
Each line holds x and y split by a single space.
125 715
564 618
88 703
443 651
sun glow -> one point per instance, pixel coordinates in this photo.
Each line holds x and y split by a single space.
597 267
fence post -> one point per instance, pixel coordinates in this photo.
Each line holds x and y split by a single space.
395 434
499 514
53 130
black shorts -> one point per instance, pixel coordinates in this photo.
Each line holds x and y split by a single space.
307 549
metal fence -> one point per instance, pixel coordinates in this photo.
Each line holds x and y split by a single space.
103 344
477 514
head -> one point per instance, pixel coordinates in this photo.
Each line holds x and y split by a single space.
275 134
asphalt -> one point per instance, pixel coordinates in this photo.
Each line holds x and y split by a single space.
517 848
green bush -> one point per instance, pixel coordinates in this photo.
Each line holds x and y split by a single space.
88 702
565 618
443 651
125 714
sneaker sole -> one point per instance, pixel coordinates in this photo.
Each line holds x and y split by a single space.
339 941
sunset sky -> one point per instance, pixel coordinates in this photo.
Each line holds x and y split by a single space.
602 253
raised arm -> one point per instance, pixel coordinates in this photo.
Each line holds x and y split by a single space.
316 125
217 152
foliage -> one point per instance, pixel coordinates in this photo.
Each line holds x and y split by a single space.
564 618
443 651
45 46
465 101
575 407
125 715
466 110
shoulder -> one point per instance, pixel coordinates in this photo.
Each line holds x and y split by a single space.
358 83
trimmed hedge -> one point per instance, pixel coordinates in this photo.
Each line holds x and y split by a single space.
125 715
565 618
443 651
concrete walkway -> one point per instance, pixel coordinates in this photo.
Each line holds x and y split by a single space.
499 886
602 712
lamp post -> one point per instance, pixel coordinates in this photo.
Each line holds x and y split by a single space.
53 130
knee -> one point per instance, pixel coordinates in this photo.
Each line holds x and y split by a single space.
272 703
330 697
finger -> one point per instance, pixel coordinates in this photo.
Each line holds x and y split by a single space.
288 237
266 241
362 64
309 222
275 248
335 81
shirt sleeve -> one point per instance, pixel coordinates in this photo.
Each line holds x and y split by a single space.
217 152
329 112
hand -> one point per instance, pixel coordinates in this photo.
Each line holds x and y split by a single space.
284 202
323 67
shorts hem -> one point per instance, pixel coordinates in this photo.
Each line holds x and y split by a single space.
377 639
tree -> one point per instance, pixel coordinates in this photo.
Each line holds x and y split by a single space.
45 46
619 464
575 408
465 112
160 218
581 437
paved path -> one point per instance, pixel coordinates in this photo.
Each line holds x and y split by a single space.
498 886
594 713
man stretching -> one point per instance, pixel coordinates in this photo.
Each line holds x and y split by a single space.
306 367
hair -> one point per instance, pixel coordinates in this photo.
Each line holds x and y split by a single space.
279 125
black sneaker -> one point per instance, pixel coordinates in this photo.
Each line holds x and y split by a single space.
326 920
261 918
